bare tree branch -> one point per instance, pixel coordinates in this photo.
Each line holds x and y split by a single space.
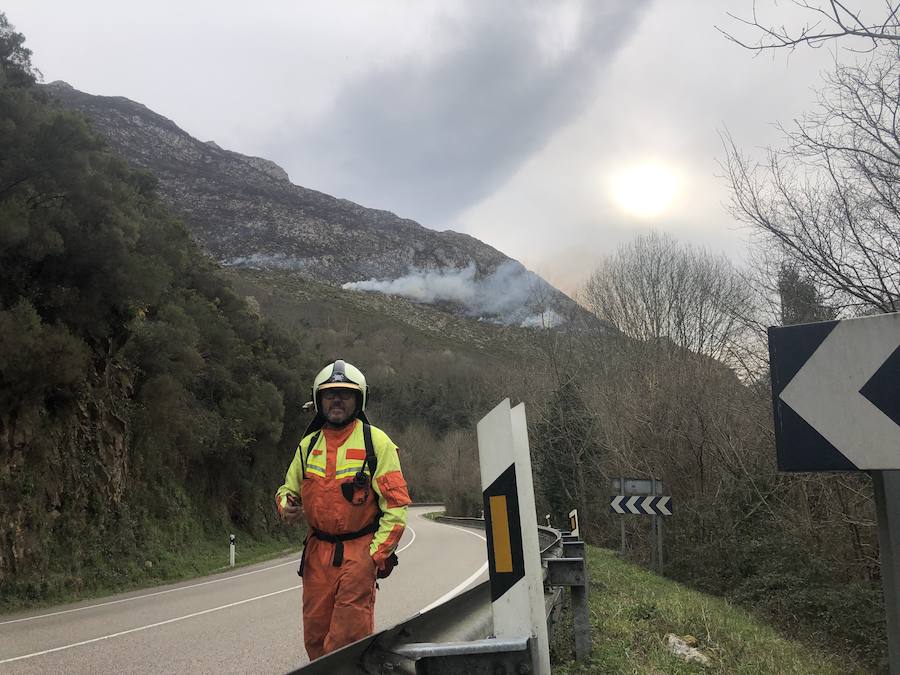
829 201
829 21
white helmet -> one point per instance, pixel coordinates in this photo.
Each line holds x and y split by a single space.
341 375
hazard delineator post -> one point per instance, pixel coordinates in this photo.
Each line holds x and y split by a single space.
573 523
514 557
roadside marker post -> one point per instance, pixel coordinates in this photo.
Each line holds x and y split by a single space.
231 550
836 407
514 559
642 497
656 532
621 490
573 523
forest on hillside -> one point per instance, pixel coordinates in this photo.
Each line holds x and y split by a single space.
149 400
142 403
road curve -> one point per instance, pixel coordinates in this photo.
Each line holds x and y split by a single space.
241 621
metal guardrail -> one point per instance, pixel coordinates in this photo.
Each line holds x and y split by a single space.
443 630
552 546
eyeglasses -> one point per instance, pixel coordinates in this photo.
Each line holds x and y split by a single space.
343 394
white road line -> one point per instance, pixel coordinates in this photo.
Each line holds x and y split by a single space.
171 590
168 621
452 593
152 625
464 529
163 623
464 584
400 550
147 595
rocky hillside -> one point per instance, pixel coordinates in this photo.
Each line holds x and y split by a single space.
244 211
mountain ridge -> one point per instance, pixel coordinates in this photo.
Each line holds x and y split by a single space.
245 212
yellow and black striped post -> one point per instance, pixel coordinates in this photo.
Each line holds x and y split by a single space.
573 523
514 558
506 559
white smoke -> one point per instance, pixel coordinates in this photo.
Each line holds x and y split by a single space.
261 261
509 295
426 285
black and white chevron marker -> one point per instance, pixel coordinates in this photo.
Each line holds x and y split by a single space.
836 394
641 505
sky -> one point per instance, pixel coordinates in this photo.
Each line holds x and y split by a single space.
553 131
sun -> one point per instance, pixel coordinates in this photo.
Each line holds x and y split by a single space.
645 190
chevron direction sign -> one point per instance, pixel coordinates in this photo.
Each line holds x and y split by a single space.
836 394
641 505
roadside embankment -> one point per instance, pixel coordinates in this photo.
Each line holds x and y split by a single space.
633 611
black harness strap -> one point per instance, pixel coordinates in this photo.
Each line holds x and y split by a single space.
339 539
304 456
372 462
371 459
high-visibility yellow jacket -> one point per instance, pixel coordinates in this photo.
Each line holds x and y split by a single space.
328 465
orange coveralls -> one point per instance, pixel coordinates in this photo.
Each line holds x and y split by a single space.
339 601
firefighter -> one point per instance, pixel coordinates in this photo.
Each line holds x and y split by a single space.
345 479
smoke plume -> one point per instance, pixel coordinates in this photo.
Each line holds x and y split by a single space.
510 295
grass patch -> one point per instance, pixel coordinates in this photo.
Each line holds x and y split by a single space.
633 609
167 565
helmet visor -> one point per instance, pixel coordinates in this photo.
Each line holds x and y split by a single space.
339 385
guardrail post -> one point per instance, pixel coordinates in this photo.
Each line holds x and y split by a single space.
572 572
582 622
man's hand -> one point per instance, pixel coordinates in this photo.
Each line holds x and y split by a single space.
387 566
292 512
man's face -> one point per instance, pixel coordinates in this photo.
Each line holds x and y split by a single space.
338 404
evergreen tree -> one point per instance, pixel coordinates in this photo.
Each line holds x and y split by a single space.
139 395
801 302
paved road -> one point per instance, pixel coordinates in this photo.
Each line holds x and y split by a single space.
238 622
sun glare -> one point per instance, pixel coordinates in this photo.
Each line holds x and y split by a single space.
645 190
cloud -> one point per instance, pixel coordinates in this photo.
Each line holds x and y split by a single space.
648 106
430 135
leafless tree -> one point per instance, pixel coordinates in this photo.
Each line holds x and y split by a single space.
656 288
829 201
778 294
830 20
